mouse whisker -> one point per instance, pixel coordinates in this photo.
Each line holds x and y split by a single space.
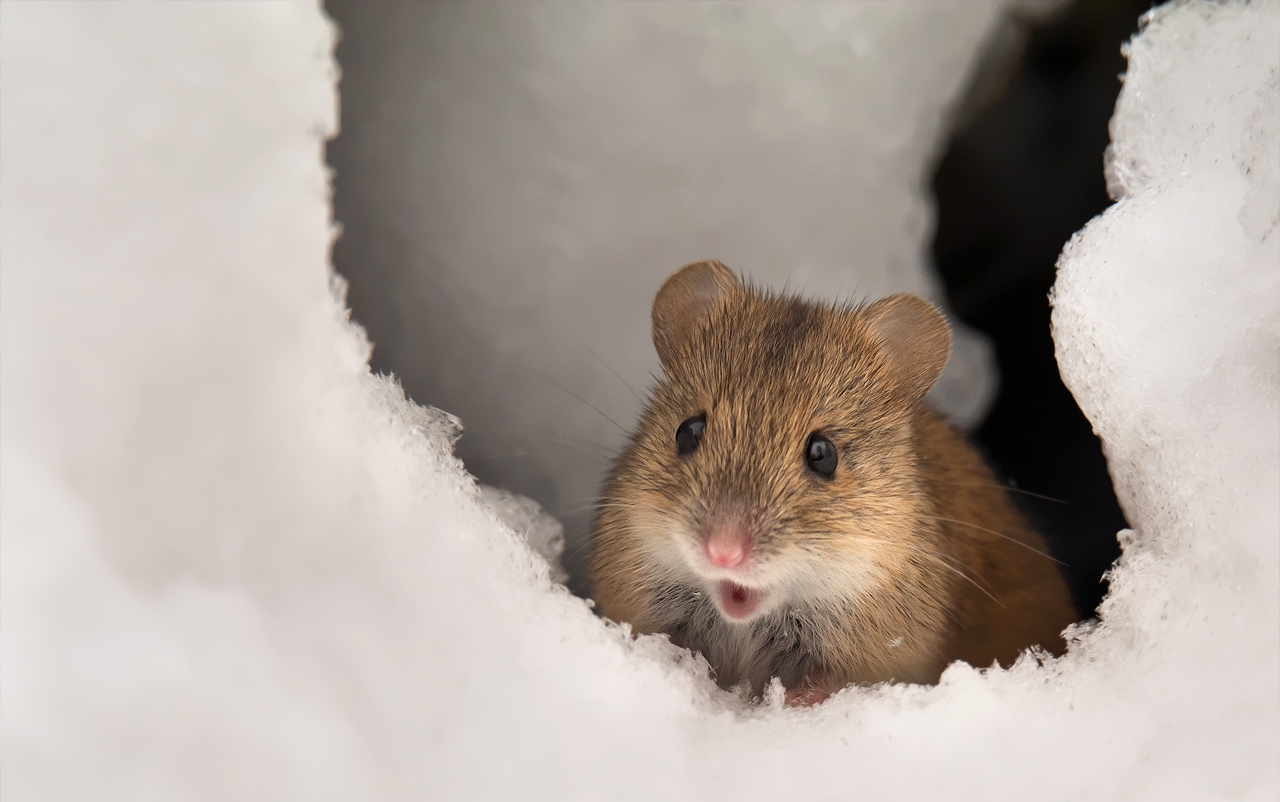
947 560
513 431
609 368
595 449
574 509
997 534
1010 488
571 510
964 576
942 559
615 504
500 454
575 550
957 570
523 454
573 503
590 405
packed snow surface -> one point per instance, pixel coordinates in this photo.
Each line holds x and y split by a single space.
237 565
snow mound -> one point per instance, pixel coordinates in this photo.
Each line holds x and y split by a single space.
235 565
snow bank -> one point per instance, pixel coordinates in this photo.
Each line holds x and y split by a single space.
516 179
234 564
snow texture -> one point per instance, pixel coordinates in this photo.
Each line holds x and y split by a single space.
516 179
543 533
236 565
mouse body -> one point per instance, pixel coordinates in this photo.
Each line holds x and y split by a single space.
789 506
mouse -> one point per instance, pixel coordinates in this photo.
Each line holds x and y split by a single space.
790 507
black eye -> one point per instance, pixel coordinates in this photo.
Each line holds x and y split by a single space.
689 435
821 455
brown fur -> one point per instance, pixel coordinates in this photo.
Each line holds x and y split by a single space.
909 557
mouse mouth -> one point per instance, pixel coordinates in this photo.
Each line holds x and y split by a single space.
736 601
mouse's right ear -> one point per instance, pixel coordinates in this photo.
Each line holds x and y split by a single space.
686 296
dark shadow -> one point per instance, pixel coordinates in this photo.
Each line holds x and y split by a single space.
1016 182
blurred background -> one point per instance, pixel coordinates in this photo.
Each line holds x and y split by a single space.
514 180
1021 173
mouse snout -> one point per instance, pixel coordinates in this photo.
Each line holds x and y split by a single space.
727 544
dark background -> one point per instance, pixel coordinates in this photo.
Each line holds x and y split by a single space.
1017 180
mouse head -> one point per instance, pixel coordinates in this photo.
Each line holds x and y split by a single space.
775 464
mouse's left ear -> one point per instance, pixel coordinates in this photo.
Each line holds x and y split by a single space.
914 337
685 297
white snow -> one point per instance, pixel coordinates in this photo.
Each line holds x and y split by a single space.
543 533
236 565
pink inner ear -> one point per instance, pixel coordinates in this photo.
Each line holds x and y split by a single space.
914 337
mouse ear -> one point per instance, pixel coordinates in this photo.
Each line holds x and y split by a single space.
914 336
684 298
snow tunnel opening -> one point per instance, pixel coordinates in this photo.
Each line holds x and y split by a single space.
542 427
994 279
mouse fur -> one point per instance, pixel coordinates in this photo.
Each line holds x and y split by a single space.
907 557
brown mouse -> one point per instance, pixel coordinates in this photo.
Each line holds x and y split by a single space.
789 507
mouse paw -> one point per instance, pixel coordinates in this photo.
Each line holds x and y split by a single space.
808 694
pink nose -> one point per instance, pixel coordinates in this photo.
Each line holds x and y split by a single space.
726 555
726 549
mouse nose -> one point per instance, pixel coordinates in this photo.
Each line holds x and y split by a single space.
726 555
727 546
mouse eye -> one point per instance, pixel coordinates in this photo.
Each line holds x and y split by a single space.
689 435
820 454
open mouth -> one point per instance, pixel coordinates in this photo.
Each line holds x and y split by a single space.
738 602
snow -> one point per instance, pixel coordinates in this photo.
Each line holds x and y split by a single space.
543 533
236 564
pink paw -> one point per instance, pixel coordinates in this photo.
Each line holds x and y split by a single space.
807 695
